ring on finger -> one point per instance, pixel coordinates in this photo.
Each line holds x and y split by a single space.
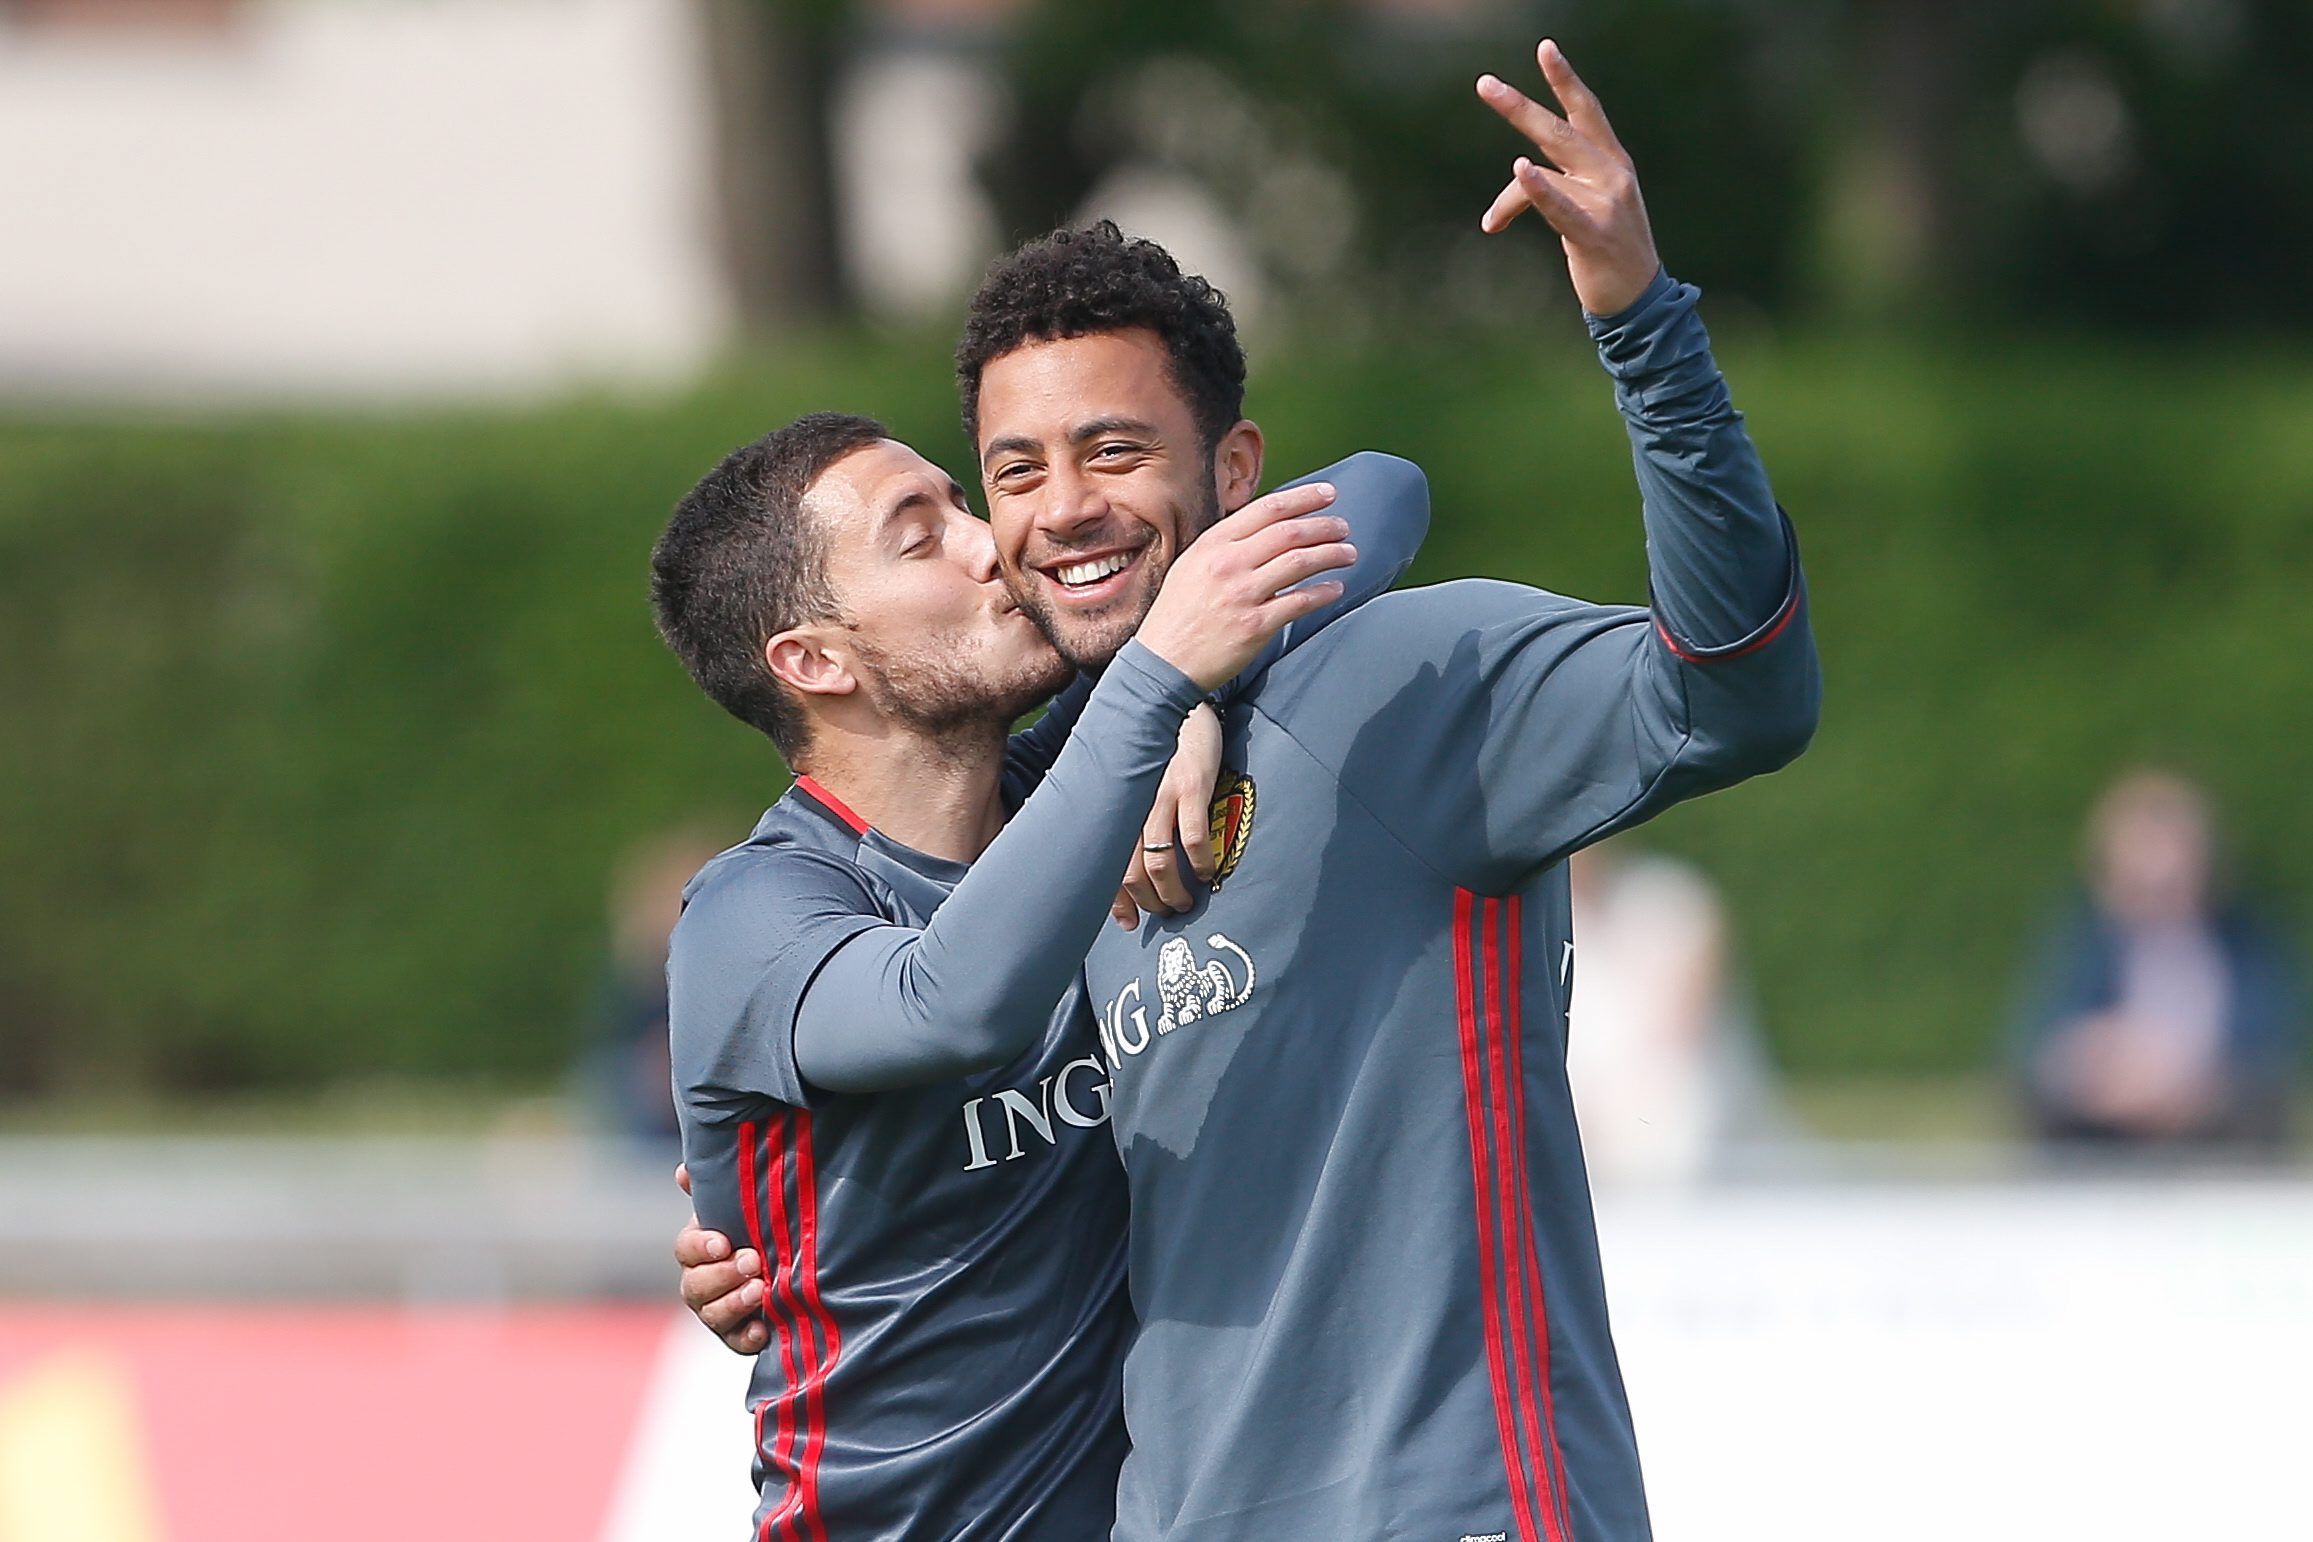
1153 847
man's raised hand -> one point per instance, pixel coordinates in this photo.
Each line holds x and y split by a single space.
1232 589
1588 192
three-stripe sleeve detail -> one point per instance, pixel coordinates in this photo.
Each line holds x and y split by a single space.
1515 1318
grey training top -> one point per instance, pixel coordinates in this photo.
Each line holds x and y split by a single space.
1362 1251
924 1172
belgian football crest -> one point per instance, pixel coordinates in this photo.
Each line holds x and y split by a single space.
1232 823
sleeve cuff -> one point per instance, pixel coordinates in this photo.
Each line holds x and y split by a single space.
1661 287
1794 600
1151 679
1657 345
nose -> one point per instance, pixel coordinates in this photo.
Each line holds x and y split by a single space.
976 548
1074 502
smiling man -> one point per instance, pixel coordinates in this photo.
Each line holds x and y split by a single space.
1115 378
1361 1247
1362 1254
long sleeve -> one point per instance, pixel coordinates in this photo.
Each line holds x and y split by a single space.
1387 503
1720 557
896 1006
1496 727
1029 754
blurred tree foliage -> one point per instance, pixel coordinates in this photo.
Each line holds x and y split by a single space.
323 737
2166 168
1348 145
2138 164
771 69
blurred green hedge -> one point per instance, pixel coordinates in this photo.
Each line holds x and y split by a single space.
322 735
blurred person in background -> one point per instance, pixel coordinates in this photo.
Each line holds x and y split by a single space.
2161 1012
1665 1062
625 1081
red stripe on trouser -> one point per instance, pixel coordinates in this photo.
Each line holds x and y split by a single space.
1473 1095
1532 1310
1509 1184
807 1266
753 1184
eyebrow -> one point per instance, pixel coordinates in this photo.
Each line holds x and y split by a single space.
919 499
1077 435
1099 426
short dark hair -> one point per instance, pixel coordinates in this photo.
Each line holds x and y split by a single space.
740 562
1076 283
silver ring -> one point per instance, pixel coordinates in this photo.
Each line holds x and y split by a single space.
1153 848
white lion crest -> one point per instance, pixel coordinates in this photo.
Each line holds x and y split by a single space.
1187 992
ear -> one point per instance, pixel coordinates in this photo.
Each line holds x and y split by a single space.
804 659
1237 465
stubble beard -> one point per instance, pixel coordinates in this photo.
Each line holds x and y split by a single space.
1087 643
945 701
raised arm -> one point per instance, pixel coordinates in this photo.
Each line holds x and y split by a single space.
1501 727
1729 673
1723 564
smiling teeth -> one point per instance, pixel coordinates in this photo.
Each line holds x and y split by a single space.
1078 573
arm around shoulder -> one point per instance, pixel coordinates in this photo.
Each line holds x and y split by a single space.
1029 754
1386 501
975 986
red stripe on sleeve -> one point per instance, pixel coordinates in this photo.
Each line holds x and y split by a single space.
1790 609
1466 1017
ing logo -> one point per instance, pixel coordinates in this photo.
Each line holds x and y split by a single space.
1188 990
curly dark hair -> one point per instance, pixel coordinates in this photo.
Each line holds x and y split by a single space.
740 562
1076 283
